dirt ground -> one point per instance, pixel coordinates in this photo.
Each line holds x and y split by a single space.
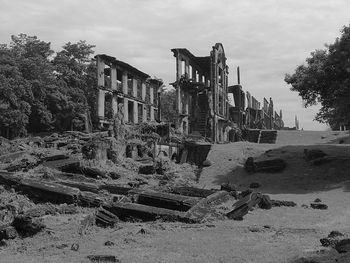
281 234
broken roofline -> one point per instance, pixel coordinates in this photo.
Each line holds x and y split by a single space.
114 61
200 62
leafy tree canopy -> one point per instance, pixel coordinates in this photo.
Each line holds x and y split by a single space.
325 79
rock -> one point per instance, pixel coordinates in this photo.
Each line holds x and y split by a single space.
62 246
319 206
279 203
103 258
114 175
27 226
147 169
332 239
109 243
245 193
75 247
8 232
304 206
254 185
229 187
343 246
334 234
317 200
206 163
265 202
241 207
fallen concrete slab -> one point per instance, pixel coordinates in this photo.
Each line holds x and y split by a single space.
241 207
130 211
48 192
8 179
164 200
193 191
208 205
115 188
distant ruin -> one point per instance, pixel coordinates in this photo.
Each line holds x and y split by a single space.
206 105
125 90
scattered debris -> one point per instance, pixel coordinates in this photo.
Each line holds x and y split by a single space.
103 258
27 226
8 232
265 202
109 243
279 203
241 207
336 240
229 187
319 206
192 191
206 163
74 247
164 200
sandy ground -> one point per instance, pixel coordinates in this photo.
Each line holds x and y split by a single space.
282 234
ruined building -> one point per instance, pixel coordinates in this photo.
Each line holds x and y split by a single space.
125 90
201 93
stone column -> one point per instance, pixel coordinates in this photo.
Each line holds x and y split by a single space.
114 77
134 87
125 82
136 112
143 84
114 104
151 95
152 113
144 113
101 104
100 72
178 89
126 110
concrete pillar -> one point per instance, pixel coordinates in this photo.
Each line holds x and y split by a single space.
101 104
144 113
134 87
178 88
152 113
136 112
100 72
126 110
193 73
151 95
187 68
125 82
143 84
115 105
114 77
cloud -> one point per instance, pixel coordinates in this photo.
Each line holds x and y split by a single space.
265 38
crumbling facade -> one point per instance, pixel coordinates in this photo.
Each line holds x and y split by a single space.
246 111
201 93
125 90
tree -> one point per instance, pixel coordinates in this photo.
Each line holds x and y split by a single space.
168 105
325 79
74 69
15 96
33 59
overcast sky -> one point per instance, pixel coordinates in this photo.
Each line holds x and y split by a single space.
266 38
